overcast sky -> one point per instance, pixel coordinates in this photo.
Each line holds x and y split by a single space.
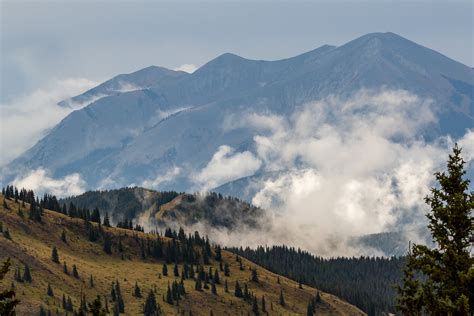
43 41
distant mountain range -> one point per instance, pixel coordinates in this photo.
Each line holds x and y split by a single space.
139 128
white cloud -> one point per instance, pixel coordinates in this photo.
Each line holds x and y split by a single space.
226 165
347 167
161 178
189 68
24 120
40 181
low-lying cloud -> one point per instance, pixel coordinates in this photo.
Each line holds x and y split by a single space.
346 167
189 68
25 120
41 182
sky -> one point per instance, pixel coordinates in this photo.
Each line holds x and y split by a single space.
46 41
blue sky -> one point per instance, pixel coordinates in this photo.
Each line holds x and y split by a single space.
51 40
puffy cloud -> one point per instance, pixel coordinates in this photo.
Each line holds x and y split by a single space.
189 68
161 178
24 120
40 181
226 165
345 167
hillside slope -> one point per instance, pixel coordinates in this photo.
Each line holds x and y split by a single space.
31 243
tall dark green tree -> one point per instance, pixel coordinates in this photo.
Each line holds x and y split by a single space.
7 297
27 274
55 255
440 281
151 308
95 308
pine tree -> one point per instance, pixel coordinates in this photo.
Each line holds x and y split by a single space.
5 204
65 269
264 305
107 244
198 285
95 308
175 270
213 288
64 302
226 286
74 271
54 255
226 269
136 290
238 290
106 219
309 309
63 237
169 296
151 307
318 297
282 298
7 297
91 281
50 291
255 306
6 234
27 274
165 269
120 302
254 277
69 306
445 287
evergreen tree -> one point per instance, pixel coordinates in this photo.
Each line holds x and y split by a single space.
226 269
264 305
106 219
198 284
69 306
91 281
226 286
6 234
118 293
63 237
27 274
54 255
218 255
255 306
107 244
282 298
95 308
169 296
18 277
65 269
50 291
310 309
151 307
7 297
165 270
5 205
74 271
213 288
238 290
318 297
64 302
440 281
175 270
254 277
136 290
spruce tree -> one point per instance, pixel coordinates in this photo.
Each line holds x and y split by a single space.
63 237
439 281
254 277
213 288
238 290
95 308
282 298
118 293
169 296
106 219
226 269
165 269
50 291
27 274
136 290
151 307
65 269
7 297
198 285
91 281
54 255
255 306
74 271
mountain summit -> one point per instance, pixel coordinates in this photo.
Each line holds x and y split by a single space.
144 126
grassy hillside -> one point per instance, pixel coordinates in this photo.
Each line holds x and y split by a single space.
31 243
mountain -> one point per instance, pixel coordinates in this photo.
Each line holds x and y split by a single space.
169 128
128 263
170 209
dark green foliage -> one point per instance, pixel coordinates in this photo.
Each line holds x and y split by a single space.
63 237
116 295
95 308
65 269
254 276
91 281
136 290
74 271
282 298
165 269
367 283
198 285
226 269
151 307
175 270
107 244
35 212
169 296
238 290
213 288
18 276
255 310
440 281
27 274
5 204
6 234
226 286
218 255
264 305
49 291
106 220
7 297
55 255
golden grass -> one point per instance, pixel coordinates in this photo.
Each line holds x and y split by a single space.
32 243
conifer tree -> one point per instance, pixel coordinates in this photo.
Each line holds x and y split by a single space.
136 290
175 270
118 293
238 290
63 237
226 286
309 309
74 271
91 281
6 234
106 219
107 244
7 297
69 306
151 307
198 284
65 269
282 298
165 270
50 291
255 306
169 296
446 283
27 274
213 288
5 204
226 269
95 308
254 277
54 255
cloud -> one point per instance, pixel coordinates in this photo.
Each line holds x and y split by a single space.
189 68
342 167
25 120
161 178
226 165
40 181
